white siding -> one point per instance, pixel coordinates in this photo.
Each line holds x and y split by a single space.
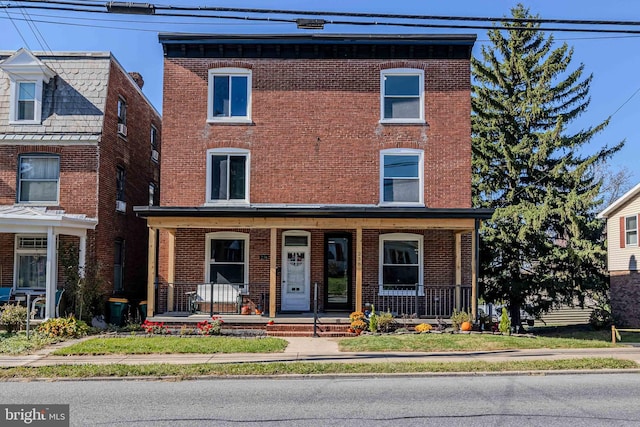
620 259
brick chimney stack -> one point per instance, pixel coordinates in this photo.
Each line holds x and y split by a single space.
137 77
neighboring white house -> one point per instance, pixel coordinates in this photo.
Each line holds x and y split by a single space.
623 255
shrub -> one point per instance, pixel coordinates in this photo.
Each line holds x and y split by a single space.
63 327
458 318
373 320
155 328
210 327
505 322
423 327
601 318
12 317
385 320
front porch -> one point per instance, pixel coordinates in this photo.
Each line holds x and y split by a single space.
423 262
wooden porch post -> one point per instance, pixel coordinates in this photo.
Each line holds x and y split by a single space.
272 272
358 268
151 273
474 271
458 262
171 267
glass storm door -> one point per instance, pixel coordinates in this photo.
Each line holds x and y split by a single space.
295 271
337 272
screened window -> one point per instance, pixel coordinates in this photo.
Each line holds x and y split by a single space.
229 94
31 262
155 154
400 264
38 179
120 182
228 176
152 194
227 258
402 95
118 265
631 230
122 111
401 177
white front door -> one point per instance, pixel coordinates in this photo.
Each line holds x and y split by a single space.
295 270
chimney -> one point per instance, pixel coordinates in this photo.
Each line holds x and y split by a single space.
137 77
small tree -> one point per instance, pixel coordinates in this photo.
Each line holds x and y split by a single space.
505 322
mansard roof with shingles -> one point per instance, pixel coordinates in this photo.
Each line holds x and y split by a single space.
73 101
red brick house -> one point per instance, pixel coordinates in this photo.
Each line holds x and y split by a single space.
79 147
295 160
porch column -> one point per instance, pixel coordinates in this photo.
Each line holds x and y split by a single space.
458 262
358 269
171 267
52 275
272 272
151 273
474 270
82 256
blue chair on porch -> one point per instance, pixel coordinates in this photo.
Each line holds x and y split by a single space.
39 304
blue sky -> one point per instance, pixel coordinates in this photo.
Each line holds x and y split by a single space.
613 59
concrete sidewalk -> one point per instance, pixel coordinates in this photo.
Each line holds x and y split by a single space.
317 350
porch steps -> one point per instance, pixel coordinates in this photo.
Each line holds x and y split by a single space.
306 330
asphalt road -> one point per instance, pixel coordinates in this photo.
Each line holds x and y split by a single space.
510 400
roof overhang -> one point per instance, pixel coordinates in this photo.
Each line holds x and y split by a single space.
619 203
318 46
20 219
312 217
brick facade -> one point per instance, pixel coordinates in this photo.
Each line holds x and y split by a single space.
625 294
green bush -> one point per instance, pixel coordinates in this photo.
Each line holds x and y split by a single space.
13 317
373 320
505 322
458 318
385 320
63 327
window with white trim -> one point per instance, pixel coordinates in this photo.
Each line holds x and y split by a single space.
227 176
631 230
402 95
401 264
227 257
229 95
31 262
38 179
402 177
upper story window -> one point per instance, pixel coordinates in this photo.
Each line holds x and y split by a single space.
155 153
121 205
38 179
229 95
631 230
122 117
152 193
402 96
402 177
26 101
228 176
401 265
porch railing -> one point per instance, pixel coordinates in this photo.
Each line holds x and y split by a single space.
421 301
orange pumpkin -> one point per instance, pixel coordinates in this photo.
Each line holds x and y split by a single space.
466 326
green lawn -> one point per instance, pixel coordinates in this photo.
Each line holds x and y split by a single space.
460 342
19 344
305 368
168 345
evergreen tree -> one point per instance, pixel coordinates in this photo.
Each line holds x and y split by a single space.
543 246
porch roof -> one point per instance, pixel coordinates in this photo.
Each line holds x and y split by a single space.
32 219
311 211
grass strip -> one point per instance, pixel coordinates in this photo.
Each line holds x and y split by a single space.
460 342
306 368
169 345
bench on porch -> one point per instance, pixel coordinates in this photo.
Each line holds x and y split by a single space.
218 297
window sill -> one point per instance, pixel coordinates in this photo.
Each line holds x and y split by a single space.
402 122
24 122
230 203
401 205
38 203
231 121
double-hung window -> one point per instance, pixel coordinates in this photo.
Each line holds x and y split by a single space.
402 177
122 117
228 176
121 204
155 153
402 96
26 101
631 230
401 266
227 257
31 262
38 180
229 95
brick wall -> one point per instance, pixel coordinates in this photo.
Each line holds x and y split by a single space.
316 136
